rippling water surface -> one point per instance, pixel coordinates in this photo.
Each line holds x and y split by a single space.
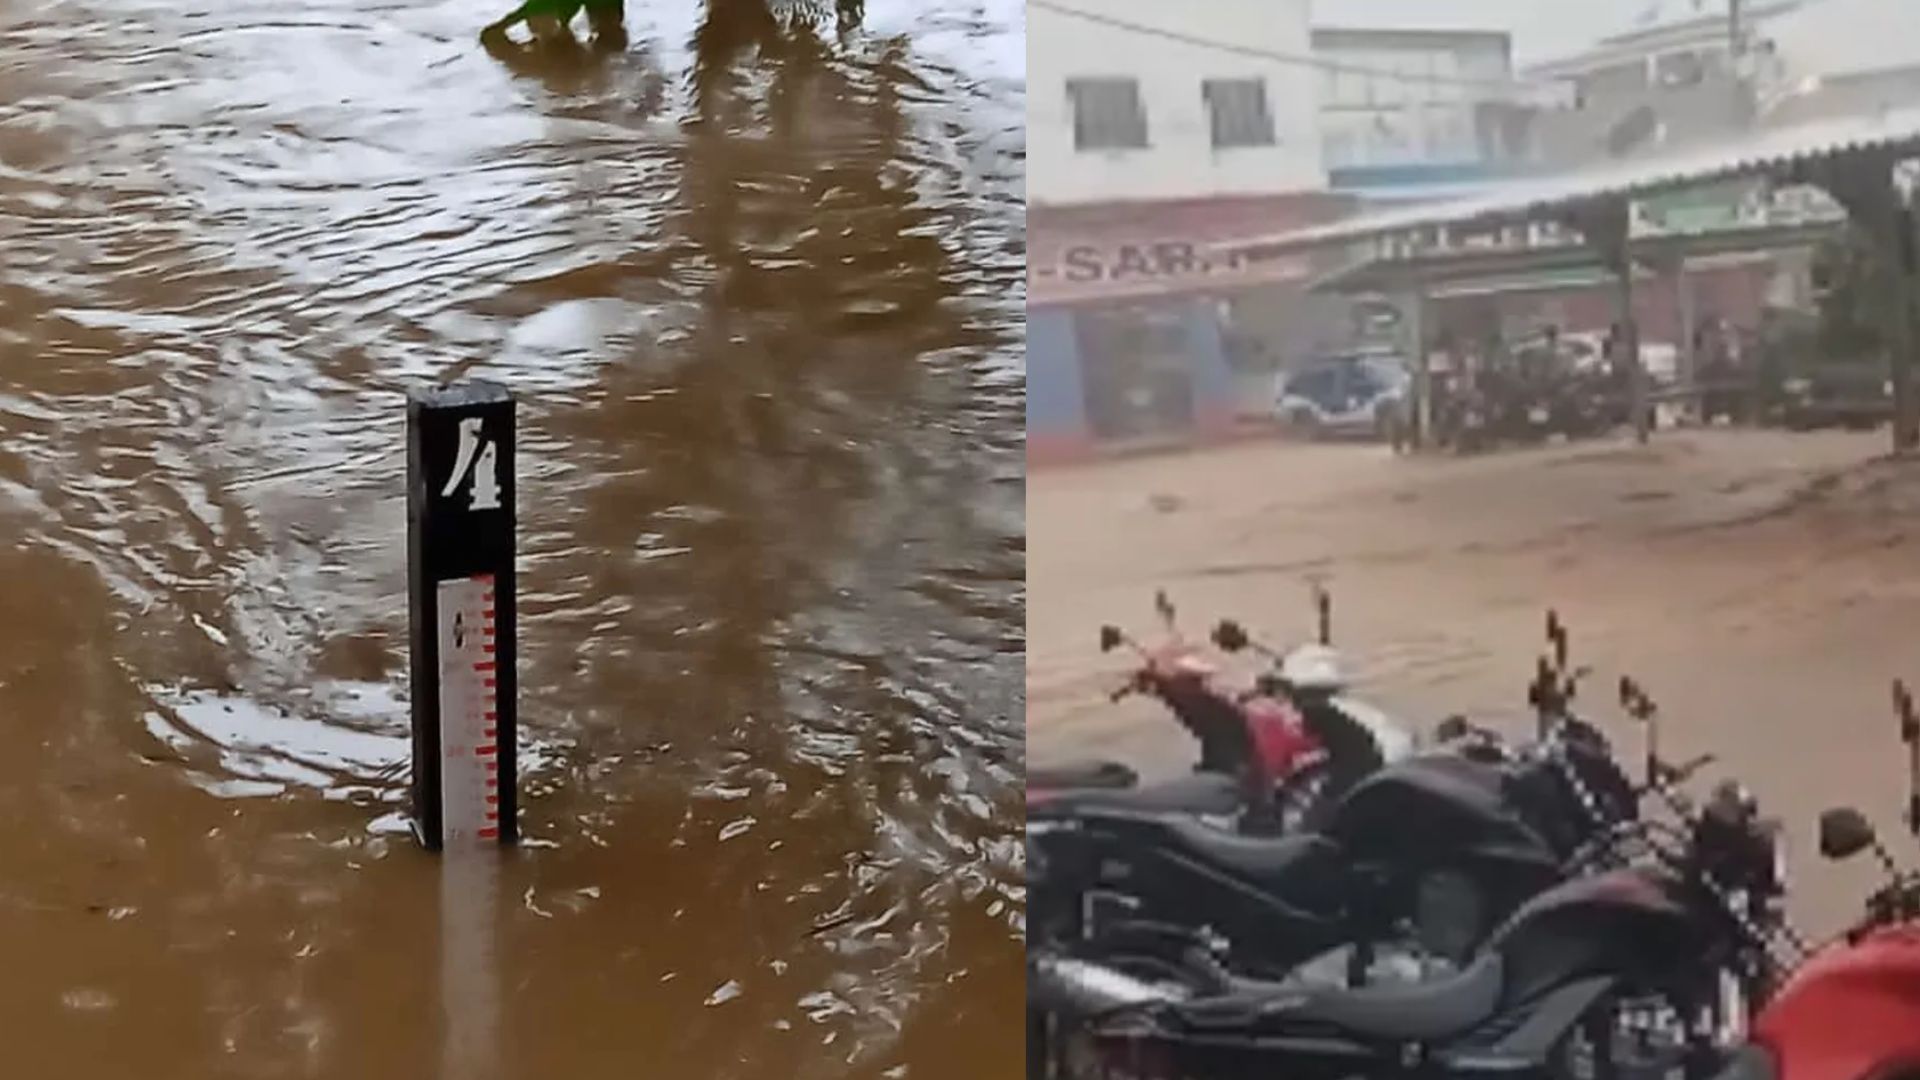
759 286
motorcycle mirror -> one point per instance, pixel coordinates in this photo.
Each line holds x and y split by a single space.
1909 719
1910 735
1231 636
1323 610
1546 696
1844 833
1111 638
1636 701
1453 727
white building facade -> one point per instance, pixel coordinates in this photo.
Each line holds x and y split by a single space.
1156 132
1668 83
1120 108
1420 108
1819 59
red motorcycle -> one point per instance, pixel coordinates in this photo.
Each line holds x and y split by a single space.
1852 1012
1249 744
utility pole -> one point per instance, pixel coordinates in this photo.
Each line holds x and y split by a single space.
1744 92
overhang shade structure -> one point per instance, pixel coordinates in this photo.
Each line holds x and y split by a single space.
1469 270
1852 158
1797 154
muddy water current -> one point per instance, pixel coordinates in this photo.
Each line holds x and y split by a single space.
756 277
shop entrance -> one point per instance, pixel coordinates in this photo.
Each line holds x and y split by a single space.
1137 373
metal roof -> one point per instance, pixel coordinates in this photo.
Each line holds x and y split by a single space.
1669 25
1896 131
1466 267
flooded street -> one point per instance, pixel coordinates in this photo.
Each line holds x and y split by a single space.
760 290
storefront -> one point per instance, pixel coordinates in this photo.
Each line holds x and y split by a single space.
1130 327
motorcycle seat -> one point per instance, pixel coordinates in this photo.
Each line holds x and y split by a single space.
1083 774
1205 794
1440 1010
1278 864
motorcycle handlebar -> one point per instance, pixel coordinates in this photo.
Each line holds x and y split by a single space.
1665 776
1456 728
1897 901
1147 680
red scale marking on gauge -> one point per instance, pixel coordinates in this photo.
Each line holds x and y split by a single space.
469 712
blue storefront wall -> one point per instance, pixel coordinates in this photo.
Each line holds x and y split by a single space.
1167 254
1213 397
1058 428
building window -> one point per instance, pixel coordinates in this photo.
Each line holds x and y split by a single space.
1107 114
1239 111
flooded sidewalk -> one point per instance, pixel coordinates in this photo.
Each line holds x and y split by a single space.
758 282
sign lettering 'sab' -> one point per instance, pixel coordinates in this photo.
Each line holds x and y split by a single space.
476 455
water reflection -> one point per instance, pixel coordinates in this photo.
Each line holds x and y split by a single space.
757 277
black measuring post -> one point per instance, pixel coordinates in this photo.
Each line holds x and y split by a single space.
460 549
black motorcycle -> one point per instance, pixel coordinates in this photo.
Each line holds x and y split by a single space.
1565 987
1446 841
1581 405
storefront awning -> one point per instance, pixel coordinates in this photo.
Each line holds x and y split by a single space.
1464 272
1896 132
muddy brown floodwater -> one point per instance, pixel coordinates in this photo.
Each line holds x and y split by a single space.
760 290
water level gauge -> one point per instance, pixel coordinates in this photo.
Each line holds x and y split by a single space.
460 525
469 712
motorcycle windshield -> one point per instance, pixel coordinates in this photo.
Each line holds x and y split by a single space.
1396 743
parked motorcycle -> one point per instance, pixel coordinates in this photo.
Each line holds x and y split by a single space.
1265 756
1556 991
1852 1012
1352 739
1469 425
1583 405
1248 744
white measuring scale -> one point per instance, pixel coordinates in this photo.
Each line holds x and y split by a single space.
469 713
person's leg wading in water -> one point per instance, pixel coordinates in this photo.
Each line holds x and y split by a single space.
546 20
549 21
608 18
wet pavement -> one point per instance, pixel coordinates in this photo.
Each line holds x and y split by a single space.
759 287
